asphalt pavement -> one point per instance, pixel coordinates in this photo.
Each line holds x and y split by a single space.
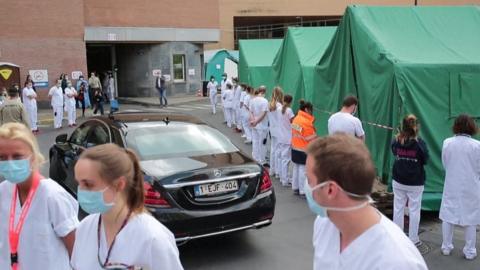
286 244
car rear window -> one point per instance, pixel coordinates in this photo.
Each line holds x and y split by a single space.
159 142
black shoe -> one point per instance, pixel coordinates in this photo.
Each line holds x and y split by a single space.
296 192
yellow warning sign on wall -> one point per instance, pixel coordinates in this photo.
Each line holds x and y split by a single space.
5 73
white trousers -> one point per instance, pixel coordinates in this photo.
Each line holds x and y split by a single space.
259 150
229 115
57 116
412 194
299 178
284 157
274 169
246 126
32 116
470 239
72 114
238 117
213 102
224 111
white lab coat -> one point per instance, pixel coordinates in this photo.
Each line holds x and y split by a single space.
143 242
228 104
56 94
383 246
212 88
223 87
70 104
52 215
461 191
30 103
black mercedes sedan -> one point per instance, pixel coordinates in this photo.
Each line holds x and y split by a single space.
197 182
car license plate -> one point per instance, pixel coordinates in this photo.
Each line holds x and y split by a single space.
215 188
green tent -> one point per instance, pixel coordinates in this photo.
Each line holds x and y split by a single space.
401 60
255 63
295 62
215 65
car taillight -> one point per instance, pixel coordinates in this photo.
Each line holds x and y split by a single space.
153 197
266 184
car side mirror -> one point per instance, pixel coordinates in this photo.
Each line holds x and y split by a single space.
61 139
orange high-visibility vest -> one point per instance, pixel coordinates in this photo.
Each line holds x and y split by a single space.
302 130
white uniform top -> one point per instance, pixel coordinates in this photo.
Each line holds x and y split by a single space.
346 123
246 105
223 84
29 103
273 120
461 191
243 94
237 93
143 242
259 105
52 215
228 98
70 101
57 96
285 126
383 246
212 87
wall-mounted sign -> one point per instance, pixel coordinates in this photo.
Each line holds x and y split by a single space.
5 73
76 75
156 72
167 77
218 66
111 37
39 77
191 72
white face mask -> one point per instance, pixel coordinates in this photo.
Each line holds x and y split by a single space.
321 210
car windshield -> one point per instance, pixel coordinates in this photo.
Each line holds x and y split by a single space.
159 142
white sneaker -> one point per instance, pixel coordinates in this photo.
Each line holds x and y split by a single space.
470 257
244 136
248 142
446 252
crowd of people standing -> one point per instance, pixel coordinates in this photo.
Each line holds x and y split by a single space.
246 110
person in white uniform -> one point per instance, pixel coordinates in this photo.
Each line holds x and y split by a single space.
44 215
228 105
223 86
273 118
349 233
285 139
30 103
344 121
247 115
56 96
70 94
259 122
212 89
119 233
243 93
461 192
408 175
237 94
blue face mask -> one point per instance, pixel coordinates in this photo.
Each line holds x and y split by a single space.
92 202
15 171
322 210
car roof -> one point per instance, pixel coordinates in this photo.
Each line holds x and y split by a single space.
140 117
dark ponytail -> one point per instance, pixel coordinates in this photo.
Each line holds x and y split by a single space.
287 101
408 130
304 105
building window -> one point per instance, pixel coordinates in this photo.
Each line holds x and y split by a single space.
179 68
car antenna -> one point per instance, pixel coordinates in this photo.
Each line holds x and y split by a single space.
166 120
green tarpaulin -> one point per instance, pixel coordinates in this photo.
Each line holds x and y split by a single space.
295 62
216 64
255 63
401 60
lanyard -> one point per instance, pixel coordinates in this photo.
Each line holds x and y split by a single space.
113 242
14 232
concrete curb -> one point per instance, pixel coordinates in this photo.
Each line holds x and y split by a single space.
154 104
